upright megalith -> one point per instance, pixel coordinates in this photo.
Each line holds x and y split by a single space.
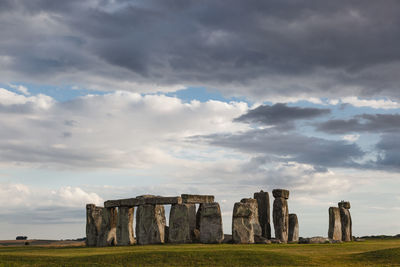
245 224
210 223
335 224
280 214
150 224
293 228
125 235
93 224
264 213
182 223
108 232
346 222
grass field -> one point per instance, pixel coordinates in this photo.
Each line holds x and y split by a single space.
368 253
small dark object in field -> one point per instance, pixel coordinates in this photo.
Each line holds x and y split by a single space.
27 243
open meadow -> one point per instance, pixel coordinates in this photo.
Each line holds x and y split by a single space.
368 253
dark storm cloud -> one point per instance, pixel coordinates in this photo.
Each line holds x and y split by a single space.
267 47
374 123
280 114
291 147
389 148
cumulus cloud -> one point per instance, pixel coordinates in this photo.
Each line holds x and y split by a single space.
115 130
23 204
285 48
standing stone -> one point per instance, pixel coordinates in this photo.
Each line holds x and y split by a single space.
264 213
150 224
125 234
108 232
335 224
346 224
280 214
182 222
293 228
245 224
93 223
210 221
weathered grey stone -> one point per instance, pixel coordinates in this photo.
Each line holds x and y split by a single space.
280 216
112 203
314 240
143 200
150 224
335 224
125 235
182 222
108 233
280 193
93 224
264 213
161 200
197 199
210 223
344 204
245 224
293 228
346 224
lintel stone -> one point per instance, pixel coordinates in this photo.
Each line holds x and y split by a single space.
197 199
151 200
344 204
280 193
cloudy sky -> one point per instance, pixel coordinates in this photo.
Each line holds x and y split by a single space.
107 99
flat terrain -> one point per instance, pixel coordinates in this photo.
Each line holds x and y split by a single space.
367 253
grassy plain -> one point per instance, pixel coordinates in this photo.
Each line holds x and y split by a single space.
367 253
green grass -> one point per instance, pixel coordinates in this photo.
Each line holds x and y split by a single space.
368 253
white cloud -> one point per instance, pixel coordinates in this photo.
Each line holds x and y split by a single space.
74 197
8 98
119 129
20 88
351 137
21 196
371 103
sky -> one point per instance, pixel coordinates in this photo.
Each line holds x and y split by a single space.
109 99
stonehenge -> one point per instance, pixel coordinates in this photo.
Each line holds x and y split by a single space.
251 219
280 214
113 224
340 224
